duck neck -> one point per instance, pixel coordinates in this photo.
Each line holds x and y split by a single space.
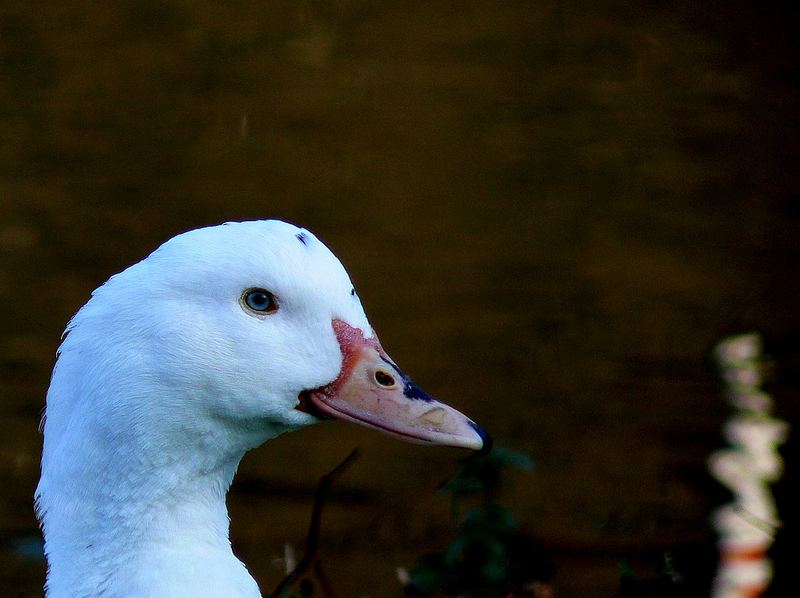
129 512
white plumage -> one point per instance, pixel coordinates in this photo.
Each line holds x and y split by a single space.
166 377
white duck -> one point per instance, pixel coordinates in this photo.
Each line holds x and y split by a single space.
221 339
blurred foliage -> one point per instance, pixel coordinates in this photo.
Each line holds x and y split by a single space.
481 474
666 583
489 556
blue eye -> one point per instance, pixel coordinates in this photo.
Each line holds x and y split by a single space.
260 300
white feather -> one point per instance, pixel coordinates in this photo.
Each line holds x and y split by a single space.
162 383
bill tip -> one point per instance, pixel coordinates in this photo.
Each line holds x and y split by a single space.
484 442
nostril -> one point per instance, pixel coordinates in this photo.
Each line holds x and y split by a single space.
384 379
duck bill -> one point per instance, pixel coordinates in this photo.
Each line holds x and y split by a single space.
373 392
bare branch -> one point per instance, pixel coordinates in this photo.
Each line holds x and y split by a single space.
312 541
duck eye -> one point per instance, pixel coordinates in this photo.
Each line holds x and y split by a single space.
260 300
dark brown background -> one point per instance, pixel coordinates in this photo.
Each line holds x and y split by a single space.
551 210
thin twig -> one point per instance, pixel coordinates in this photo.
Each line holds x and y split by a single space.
312 540
324 580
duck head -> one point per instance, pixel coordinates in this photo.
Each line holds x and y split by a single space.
252 325
222 338
294 345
